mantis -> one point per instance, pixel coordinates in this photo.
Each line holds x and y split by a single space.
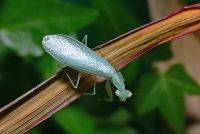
78 56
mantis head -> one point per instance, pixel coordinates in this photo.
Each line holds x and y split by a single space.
123 95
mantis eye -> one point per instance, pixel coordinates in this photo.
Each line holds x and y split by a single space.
117 93
129 94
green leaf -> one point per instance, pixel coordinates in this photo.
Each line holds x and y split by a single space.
117 130
150 93
163 51
172 106
3 51
47 65
21 42
120 117
34 131
20 21
182 81
166 92
75 121
129 72
114 18
190 2
48 15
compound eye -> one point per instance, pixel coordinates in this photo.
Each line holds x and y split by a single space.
129 94
117 92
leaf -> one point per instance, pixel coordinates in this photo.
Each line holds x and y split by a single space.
163 51
21 42
75 121
186 49
3 51
34 131
149 88
172 107
166 92
130 72
47 65
117 130
120 117
51 15
183 82
36 18
114 18
189 2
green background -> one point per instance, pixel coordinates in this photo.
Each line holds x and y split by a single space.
157 104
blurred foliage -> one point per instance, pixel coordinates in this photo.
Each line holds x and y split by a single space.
78 122
191 1
166 91
157 103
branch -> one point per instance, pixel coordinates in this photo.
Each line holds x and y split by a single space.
55 93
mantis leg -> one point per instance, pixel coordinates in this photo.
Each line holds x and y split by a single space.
84 41
109 91
78 79
94 89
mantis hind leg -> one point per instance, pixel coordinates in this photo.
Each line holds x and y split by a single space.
94 89
109 92
75 85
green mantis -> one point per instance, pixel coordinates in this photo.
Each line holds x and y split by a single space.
77 55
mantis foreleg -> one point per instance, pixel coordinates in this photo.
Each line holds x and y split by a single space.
109 92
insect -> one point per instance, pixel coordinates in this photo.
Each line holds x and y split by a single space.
77 55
